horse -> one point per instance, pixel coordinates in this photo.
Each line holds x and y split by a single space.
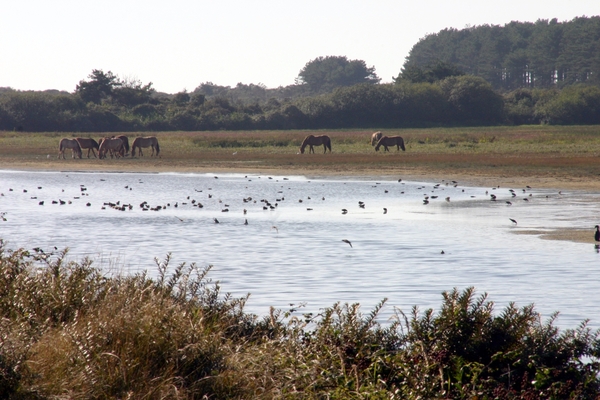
375 137
114 145
72 144
390 141
312 140
89 144
125 143
148 141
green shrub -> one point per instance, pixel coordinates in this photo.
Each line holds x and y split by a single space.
69 331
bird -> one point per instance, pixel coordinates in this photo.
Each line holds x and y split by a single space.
216 220
514 221
344 211
509 203
178 218
442 252
384 210
274 227
347 241
597 234
245 222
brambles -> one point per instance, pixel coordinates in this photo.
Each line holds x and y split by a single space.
68 330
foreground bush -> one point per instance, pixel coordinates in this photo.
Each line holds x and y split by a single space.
68 331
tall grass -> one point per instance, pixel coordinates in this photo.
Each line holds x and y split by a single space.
68 331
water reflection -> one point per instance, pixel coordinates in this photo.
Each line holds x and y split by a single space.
292 251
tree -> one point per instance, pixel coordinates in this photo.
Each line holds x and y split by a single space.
473 100
131 92
99 86
430 73
323 74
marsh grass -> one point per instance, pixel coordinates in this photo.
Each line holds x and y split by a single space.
68 331
569 140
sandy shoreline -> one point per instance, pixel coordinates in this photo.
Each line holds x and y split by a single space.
558 181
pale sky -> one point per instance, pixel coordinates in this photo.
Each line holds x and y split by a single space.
179 44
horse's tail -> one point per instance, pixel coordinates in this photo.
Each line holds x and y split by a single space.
157 147
328 144
402 144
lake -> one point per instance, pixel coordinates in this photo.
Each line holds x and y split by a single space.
291 250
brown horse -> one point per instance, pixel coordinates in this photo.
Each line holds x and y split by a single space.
125 143
72 144
312 140
114 145
375 137
89 144
148 141
390 141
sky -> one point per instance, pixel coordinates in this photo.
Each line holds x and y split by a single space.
179 44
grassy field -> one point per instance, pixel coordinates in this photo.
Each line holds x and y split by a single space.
562 153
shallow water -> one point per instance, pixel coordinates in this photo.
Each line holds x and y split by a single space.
303 259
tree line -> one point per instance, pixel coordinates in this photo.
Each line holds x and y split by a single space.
544 54
452 78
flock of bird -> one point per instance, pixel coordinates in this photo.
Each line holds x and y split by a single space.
191 201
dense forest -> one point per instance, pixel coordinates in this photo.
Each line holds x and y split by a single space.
544 54
522 73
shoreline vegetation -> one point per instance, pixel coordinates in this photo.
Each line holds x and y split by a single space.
68 331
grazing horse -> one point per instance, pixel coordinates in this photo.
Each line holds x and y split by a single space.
148 141
312 140
125 143
72 144
390 141
375 137
89 144
114 145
